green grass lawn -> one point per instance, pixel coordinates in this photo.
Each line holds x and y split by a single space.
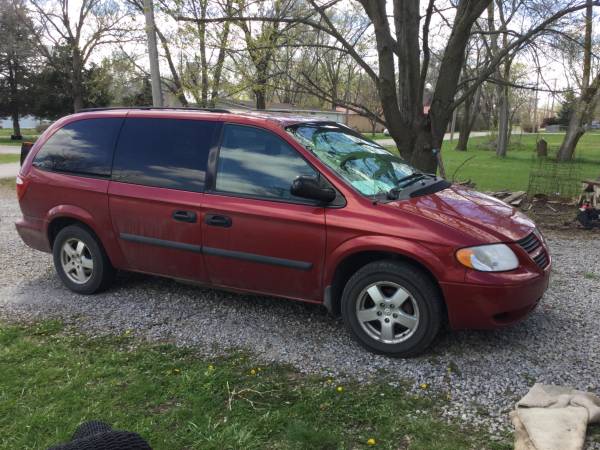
376 136
8 158
490 173
29 134
52 380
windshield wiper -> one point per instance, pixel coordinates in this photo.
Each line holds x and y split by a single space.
394 193
409 177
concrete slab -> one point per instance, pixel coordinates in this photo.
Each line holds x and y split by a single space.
10 149
9 170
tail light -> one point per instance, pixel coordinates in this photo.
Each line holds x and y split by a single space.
22 184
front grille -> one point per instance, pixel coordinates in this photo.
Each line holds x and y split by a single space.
532 245
541 259
529 243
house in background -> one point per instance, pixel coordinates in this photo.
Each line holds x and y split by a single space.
359 122
340 115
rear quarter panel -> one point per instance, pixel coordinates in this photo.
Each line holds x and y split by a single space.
52 195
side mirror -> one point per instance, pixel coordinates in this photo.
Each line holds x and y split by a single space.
25 149
309 187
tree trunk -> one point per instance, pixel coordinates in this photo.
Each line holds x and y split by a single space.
177 88
503 122
16 126
77 80
588 100
216 82
414 133
260 94
582 114
575 130
14 97
465 128
422 155
203 62
260 84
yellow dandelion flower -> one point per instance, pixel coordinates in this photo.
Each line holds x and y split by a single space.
211 367
253 372
329 380
339 389
371 441
423 386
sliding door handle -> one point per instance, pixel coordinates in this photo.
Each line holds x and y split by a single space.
185 216
218 220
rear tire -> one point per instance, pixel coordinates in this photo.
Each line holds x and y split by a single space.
80 260
392 308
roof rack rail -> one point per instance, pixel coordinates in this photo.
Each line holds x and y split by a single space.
168 108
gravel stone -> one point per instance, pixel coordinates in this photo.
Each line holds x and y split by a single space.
482 373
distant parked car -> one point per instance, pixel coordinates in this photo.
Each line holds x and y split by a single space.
275 205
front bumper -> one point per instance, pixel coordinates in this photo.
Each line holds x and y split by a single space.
484 306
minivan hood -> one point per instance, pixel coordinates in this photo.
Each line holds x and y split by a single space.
481 216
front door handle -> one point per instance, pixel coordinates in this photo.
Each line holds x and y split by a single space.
185 216
218 220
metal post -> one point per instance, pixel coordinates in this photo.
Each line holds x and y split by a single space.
535 111
157 99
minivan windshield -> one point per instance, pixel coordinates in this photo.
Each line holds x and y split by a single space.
364 164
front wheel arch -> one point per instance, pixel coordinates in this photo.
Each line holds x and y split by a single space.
406 332
354 262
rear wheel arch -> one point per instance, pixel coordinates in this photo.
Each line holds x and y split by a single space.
80 259
350 264
58 223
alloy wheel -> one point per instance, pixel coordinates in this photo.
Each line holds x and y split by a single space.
387 312
77 261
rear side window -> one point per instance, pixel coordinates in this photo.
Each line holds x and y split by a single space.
82 147
168 153
258 163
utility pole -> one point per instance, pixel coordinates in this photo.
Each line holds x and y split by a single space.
157 99
535 105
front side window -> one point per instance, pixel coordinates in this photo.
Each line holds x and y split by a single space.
365 165
167 153
83 147
258 163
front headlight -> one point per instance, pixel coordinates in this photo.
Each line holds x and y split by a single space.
488 258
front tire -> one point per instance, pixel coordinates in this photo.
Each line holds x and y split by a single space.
80 260
392 308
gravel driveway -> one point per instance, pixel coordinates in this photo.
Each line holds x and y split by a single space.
483 372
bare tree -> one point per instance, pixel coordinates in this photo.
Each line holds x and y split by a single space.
96 23
586 103
404 55
261 43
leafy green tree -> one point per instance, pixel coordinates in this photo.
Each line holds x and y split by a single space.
566 109
52 96
18 61
143 97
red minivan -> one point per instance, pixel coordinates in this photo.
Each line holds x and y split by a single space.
278 205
